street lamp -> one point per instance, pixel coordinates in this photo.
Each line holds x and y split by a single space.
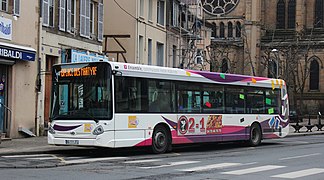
275 52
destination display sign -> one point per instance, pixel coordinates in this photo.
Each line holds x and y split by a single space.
78 72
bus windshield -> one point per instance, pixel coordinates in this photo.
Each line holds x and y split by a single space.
82 91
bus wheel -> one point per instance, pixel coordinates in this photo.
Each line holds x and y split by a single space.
255 135
161 140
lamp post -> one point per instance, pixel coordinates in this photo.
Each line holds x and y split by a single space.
275 52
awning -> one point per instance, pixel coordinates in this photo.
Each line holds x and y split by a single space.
17 52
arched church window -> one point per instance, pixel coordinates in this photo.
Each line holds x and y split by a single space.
314 75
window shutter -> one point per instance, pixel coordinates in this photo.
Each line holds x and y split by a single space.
100 21
68 16
87 19
45 13
82 18
62 15
17 7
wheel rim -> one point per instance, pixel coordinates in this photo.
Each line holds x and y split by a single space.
255 135
160 140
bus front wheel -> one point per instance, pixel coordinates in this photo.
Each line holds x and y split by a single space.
255 135
161 140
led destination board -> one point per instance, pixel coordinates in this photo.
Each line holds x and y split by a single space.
77 72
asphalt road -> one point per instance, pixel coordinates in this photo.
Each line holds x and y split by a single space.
289 158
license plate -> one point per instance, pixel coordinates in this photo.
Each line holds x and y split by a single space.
72 142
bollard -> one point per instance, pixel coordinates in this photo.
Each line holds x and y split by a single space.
319 125
297 127
309 126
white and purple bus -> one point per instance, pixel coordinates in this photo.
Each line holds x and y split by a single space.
110 104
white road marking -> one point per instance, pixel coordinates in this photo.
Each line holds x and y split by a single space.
170 164
302 156
253 170
209 167
26 156
143 161
298 174
43 158
79 161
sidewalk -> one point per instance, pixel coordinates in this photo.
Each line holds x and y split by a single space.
36 145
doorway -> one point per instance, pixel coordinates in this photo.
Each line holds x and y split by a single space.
50 61
3 98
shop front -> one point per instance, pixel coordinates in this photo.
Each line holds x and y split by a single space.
10 55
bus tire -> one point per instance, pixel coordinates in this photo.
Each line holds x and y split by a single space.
161 141
255 135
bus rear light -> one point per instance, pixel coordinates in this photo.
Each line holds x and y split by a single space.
98 130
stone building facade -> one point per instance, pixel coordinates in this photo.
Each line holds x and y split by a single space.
273 38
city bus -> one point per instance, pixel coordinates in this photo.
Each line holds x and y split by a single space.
113 104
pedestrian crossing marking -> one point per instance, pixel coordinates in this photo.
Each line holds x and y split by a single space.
209 167
26 156
170 164
301 156
253 170
143 161
43 158
299 174
87 160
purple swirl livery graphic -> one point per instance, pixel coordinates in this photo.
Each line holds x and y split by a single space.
227 78
65 128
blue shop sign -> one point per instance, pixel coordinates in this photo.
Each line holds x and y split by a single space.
83 56
17 52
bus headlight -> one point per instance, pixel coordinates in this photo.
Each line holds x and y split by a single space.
98 130
51 130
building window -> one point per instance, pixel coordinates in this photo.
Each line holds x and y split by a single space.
214 28
92 27
142 8
62 22
291 14
71 16
140 49
230 29
281 14
314 75
238 29
175 14
224 66
221 30
100 20
160 12
150 7
4 5
67 15
149 52
16 9
48 13
318 14
85 18
159 54
174 56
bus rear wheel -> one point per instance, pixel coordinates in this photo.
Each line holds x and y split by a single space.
255 135
161 140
